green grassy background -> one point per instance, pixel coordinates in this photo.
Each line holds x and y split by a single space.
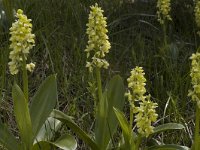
136 38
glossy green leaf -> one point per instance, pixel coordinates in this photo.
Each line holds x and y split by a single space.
43 103
22 116
48 130
7 140
168 147
65 142
124 126
46 145
106 121
74 127
168 126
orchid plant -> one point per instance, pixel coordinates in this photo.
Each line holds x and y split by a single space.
113 94
142 116
34 123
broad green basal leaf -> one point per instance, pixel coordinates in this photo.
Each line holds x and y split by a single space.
65 142
168 147
74 127
124 126
22 116
43 103
168 126
48 130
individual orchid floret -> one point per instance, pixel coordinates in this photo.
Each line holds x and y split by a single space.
164 8
30 67
98 44
22 40
195 75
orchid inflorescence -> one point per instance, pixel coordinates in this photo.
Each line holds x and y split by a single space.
195 75
145 113
98 44
164 8
22 40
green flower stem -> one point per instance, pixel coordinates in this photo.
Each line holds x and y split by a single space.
131 120
99 86
196 136
132 144
25 79
138 142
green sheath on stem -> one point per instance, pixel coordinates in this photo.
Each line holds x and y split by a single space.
98 76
